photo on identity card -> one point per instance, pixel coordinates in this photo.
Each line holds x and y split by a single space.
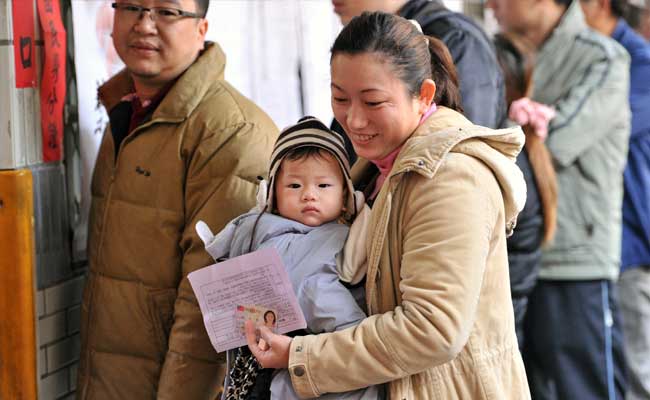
260 315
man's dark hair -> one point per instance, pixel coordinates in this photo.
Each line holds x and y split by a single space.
565 3
202 7
619 7
633 16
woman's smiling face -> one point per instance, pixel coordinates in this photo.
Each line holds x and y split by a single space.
372 104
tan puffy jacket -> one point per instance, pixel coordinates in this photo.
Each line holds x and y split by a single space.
441 323
196 159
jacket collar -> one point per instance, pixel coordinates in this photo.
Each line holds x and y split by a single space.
184 96
571 24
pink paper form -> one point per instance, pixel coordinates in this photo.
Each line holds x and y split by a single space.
255 278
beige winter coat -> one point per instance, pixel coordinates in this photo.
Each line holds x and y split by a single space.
196 159
441 322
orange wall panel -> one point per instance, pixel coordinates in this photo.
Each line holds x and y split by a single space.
17 310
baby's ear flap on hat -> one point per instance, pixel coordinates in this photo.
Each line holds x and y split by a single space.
204 232
262 196
359 200
354 204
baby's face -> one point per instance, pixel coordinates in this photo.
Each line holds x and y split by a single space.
310 190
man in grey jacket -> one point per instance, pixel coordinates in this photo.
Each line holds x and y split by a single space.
573 347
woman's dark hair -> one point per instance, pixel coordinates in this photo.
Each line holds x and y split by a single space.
516 58
413 56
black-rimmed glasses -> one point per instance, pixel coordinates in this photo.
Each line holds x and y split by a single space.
160 14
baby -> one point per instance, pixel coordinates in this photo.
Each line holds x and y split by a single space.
304 217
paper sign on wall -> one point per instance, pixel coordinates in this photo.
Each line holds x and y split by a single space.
54 79
22 13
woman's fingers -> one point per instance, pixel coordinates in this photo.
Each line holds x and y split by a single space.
251 337
266 334
274 353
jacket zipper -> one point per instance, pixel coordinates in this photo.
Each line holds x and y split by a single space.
109 195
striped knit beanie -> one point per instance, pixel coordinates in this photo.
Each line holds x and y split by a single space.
311 132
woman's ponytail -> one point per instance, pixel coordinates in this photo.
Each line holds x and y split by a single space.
444 74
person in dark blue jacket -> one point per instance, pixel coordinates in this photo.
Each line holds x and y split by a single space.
605 16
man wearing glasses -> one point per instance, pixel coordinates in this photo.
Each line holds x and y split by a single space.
182 145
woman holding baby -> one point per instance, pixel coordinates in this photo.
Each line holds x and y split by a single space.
442 196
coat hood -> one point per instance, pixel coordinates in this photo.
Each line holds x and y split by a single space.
448 131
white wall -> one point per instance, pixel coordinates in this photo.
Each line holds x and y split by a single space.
266 42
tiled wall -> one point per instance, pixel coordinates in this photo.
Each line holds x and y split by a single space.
58 309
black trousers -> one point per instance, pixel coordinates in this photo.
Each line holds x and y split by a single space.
573 346
520 307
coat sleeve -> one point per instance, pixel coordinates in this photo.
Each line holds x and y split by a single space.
447 231
593 108
220 184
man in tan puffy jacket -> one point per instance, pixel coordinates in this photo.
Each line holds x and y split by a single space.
182 145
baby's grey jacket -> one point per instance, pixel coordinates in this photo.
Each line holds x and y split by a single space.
309 256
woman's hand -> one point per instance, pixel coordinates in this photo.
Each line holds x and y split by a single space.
272 351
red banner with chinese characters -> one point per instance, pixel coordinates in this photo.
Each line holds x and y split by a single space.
22 13
53 81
